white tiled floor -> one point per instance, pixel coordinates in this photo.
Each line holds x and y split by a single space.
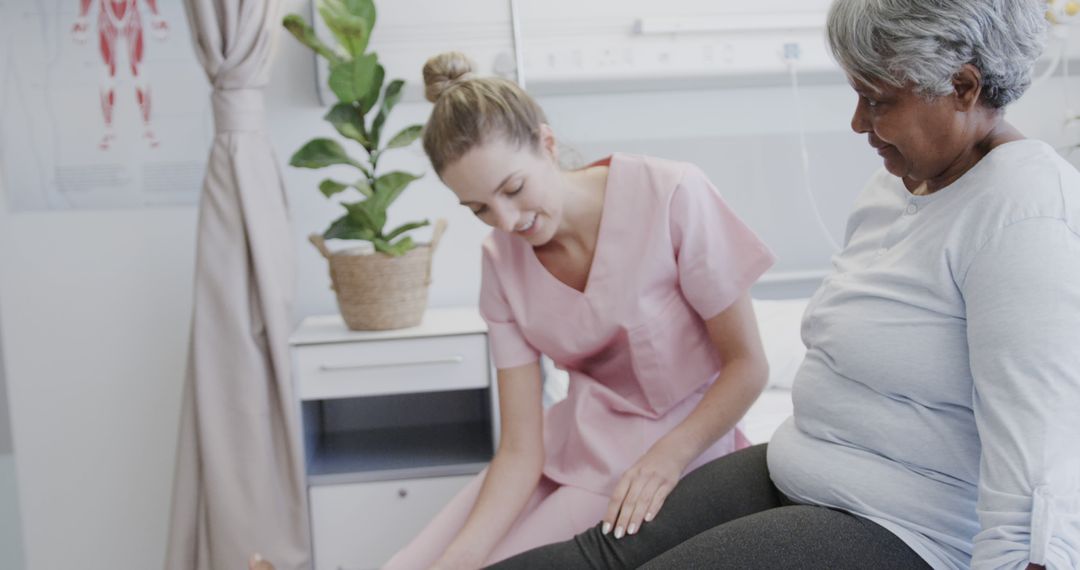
11 555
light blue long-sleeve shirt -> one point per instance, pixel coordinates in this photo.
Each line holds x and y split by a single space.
940 395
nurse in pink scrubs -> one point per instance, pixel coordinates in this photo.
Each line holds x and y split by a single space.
632 275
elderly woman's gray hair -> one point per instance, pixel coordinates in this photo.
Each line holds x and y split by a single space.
924 43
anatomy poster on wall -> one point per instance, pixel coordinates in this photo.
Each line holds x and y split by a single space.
103 104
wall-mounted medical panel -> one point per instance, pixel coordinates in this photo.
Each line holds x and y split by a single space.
569 46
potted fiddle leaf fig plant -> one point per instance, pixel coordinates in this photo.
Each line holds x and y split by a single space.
386 288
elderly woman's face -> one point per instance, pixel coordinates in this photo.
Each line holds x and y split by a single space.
916 137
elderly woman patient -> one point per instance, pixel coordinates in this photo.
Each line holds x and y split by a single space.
937 412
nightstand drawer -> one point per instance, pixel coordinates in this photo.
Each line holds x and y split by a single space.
375 368
360 526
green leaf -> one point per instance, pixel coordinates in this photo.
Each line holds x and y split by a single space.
319 153
390 98
364 188
344 228
330 187
405 228
389 186
367 214
367 102
348 121
405 137
364 9
401 247
351 31
306 35
351 80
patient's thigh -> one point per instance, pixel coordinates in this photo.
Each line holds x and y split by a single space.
722 490
799 536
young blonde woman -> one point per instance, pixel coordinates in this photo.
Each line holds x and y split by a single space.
631 274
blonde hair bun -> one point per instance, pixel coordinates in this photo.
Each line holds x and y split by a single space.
444 71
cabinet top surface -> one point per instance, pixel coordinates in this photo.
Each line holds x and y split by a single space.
327 329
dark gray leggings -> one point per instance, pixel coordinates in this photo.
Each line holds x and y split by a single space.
728 514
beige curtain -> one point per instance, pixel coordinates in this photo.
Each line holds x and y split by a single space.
239 484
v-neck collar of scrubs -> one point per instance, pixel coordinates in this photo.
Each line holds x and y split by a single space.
596 265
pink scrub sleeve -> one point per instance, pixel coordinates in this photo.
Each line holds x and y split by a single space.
718 256
509 348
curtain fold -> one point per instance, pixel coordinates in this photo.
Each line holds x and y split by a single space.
239 485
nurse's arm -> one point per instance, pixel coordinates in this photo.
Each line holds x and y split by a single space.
743 377
642 490
513 473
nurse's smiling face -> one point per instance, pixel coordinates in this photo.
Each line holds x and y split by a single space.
516 190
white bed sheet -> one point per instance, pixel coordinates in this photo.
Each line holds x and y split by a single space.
768 412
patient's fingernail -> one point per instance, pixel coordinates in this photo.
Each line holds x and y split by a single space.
632 529
648 517
618 532
606 528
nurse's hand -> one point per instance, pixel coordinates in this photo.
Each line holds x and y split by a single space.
642 490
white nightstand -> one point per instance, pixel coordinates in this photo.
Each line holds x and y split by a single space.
394 424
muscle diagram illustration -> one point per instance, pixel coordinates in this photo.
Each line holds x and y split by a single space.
119 23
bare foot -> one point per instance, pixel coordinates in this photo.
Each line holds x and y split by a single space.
257 563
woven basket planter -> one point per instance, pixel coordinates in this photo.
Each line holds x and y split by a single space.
379 292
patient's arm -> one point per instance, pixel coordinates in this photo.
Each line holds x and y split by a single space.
1023 319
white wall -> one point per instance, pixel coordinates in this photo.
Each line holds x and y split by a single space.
5 415
95 306
95 309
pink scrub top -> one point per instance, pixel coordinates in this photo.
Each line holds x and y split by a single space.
669 255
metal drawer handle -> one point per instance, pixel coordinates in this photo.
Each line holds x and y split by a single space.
341 367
